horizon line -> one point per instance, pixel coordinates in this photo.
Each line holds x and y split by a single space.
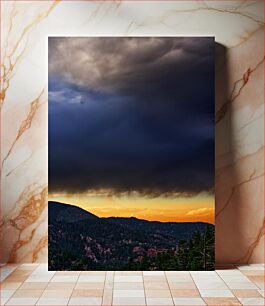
130 216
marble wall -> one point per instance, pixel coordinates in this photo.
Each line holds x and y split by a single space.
238 29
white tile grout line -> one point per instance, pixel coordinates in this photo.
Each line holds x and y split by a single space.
76 282
113 275
200 291
16 267
145 298
197 287
74 288
113 282
104 289
169 288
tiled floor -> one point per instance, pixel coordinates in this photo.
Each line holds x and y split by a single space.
33 284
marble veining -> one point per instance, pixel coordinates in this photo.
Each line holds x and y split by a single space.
238 27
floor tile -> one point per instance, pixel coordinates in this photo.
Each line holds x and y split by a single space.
157 293
215 301
107 298
94 272
153 273
42 272
60 286
6 271
253 272
21 272
155 278
128 301
210 279
176 273
206 277
39 279
53 301
3 300
87 293
256 278
182 293
68 273
88 285
242 285
4 275
9 285
129 273
109 276
85 301
260 285
28 293
179 279
261 292
203 273
251 301
188 301
22 301
64 279
108 285
211 285
159 301
251 267
62 294
156 285
91 278
129 286
9 265
219 266
28 266
28 284
34 286
128 293
7 293
235 279
246 293
216 293
16 278
182 286
232 272
39 272
43 266
128 279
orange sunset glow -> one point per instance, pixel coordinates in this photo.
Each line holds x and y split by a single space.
165 209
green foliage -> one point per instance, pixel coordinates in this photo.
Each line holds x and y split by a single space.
194 254
99 244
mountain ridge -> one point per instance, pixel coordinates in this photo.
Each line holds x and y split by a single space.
67 212
79 240
112 218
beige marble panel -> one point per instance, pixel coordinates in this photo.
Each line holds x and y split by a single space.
238 27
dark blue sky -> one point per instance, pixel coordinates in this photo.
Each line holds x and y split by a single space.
131 114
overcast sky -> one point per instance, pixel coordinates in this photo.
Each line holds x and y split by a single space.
131 114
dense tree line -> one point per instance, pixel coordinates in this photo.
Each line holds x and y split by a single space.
196 253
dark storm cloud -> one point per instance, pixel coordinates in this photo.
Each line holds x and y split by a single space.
131 114
127 64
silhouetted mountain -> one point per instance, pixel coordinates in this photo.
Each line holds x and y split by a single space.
67 213
176 230
79 240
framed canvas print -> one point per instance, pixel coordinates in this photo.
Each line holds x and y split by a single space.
131 153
